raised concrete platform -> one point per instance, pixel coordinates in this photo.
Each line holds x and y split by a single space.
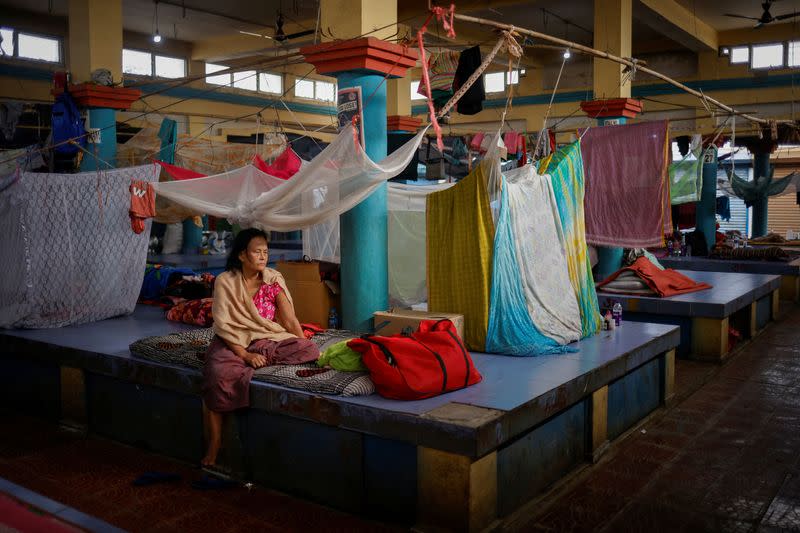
746 302
789 271
458 461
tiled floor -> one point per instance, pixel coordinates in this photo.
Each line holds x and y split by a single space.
724 457
94 476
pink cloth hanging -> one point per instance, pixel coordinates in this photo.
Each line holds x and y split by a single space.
179 173
511 139
627 192
285 165
475 144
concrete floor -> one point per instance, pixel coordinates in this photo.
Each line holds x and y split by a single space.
724 457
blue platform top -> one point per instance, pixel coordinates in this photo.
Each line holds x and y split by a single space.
791 268
730 292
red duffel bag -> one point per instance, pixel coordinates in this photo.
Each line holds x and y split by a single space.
431 361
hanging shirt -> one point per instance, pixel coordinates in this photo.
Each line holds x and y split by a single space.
472 101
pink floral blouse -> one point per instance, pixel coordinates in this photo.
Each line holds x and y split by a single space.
264 300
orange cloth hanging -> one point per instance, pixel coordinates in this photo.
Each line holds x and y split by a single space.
663 282
143 204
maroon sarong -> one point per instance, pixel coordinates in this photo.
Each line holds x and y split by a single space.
226 377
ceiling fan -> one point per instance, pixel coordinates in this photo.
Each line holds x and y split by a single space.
766 17
280 35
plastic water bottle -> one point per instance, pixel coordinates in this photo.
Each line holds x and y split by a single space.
333 319
617 313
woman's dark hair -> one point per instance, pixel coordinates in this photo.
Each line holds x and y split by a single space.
240 243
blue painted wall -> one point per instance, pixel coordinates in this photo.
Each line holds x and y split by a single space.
318 462
632 397
539 458
148 417
30 387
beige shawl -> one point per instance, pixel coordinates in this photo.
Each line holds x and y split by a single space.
236 318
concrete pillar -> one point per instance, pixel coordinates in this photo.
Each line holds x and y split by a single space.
706 215
365 63
95 38
612 33
95 41
761 168
398 97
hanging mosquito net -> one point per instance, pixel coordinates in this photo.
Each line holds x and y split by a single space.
340 177
69 254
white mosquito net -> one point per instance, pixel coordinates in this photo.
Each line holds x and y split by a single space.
340 177
199 154
407 234
69 253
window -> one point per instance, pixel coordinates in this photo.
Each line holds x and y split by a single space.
767 56
170 67
40 48
494 82
14 43
324 91
414 94
7 41
512 78
221 79
270 83
304 89
146 64
740 54
794 54
135 62
247 79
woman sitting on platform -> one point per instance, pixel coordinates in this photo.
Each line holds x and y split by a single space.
255 326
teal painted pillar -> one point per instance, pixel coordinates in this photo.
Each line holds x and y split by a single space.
609 259
363 229
761 205
706 217
101 155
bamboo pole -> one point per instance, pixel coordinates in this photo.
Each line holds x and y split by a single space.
611 57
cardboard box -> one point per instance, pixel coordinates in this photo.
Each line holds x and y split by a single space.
406 320
313 298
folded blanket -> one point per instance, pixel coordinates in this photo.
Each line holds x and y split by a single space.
663 283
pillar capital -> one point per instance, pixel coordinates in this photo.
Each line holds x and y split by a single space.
92 95
402 123
614 107
367 53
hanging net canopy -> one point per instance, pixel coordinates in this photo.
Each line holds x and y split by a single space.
201 155
335 181
761 187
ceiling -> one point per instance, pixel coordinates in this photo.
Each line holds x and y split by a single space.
566 18
208 19
713 12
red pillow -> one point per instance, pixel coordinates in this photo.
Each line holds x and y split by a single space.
195 312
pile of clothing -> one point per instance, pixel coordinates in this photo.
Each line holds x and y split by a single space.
643 278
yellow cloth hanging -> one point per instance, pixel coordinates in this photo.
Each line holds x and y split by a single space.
460 235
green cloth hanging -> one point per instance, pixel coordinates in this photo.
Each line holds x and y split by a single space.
168 133
686 179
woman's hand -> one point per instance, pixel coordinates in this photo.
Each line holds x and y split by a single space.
255 360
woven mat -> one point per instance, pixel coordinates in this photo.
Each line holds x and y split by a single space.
187 348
